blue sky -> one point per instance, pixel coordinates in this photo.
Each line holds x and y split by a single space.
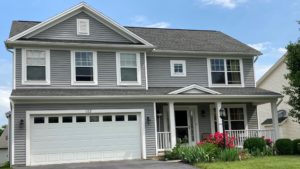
268 25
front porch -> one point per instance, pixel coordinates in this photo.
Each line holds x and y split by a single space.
188 123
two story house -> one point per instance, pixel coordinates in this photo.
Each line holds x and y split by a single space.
88 89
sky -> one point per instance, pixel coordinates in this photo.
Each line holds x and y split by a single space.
267 25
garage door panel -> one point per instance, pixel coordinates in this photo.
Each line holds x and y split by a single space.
87 141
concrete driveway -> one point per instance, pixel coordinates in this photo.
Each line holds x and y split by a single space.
132 164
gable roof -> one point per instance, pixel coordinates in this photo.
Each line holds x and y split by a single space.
70 12
271 70
269 121
195 89
170 40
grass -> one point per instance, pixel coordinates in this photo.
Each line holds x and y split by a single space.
271 162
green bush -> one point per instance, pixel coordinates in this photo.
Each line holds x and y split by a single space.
296 146
231 154
284 146
255 144
194 154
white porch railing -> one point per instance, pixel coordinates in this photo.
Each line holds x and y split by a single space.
164 141
241 135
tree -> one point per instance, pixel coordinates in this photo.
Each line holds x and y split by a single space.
292 61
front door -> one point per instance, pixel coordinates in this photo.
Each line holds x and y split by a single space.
184 123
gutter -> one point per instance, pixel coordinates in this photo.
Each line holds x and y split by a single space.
147 97
10 44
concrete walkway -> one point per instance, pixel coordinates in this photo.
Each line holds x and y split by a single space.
132 164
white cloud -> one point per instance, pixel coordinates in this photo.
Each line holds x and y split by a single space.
282 50
141 20
261 69
159 25
224 3
4 104
261 46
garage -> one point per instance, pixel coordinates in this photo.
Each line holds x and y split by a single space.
69 138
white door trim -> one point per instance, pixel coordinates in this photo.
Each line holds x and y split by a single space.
46 112
194 109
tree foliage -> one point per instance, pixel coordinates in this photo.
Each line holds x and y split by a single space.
292 61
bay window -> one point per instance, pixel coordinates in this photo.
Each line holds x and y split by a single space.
128 68
36 66
84 68
225 72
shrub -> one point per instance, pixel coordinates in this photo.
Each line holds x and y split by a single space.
296 146
218 140
284 146
255 145
174 154
231 154
244 154
193 154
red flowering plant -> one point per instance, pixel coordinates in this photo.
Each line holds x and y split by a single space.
218 140
268 141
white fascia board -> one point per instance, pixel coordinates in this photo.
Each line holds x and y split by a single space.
194 86
19 43
211 53
147 97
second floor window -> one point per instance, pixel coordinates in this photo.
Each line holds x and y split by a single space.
36 66
225 72
128 65
84 69
178 68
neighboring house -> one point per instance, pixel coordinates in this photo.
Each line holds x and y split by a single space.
4 146
274 80
88 89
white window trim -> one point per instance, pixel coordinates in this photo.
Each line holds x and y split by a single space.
88 27
210 84
73 69
24 68
138 62
212 118
173 62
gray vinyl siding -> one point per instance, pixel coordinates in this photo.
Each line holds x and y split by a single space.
159 72
60 70
204 120
67 30
252 116
20 113
249 72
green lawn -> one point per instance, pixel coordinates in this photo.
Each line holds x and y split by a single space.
274 162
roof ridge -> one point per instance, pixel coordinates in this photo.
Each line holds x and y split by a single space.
172 28
26 21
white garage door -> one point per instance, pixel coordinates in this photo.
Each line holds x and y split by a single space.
80 138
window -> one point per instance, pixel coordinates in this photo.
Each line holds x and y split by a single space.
225 72
67 119
178 68
84 68
107 118
80 119
36 68
39 120
52 119
120 118
235 118
128 68
83 27
94 118
132 118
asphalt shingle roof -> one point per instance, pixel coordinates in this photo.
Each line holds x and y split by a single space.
173 39
118 92
270 121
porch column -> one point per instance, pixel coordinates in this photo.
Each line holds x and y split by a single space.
219 120
172 124
275 119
